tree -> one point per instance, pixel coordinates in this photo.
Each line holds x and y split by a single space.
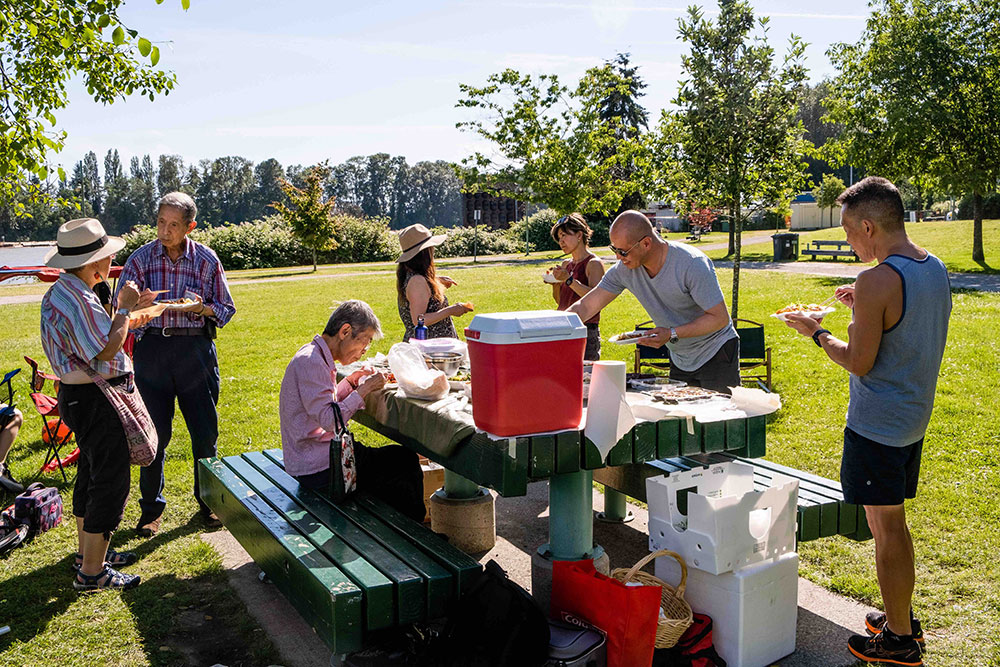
741 144
436 195
918 96
226 191
170 175
267 175
142 190
827 191
118 214
818 132
42 46
309 212
86 183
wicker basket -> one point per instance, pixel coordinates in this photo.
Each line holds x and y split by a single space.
675 608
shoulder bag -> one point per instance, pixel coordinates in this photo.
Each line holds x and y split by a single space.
343 468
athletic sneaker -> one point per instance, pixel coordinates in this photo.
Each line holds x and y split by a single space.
887 648
875 620
7 481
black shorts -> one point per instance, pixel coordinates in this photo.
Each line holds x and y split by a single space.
875 474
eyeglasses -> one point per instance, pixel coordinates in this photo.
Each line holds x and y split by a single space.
624 253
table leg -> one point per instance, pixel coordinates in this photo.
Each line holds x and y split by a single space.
458 487
615 508
571 516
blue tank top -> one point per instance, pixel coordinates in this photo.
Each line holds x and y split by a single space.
892 403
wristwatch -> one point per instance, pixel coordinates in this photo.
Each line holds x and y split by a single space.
123 311
816 335
569 280
673 335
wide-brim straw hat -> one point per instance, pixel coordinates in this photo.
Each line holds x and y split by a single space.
415 238
80 242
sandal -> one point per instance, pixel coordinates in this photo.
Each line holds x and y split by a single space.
106 579
112 559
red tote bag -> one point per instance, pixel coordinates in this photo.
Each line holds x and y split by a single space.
626 614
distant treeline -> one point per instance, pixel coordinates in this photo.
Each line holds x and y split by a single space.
234 190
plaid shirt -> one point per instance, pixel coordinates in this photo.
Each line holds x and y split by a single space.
198 270
75 323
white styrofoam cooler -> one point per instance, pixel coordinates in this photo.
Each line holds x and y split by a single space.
728 524
754 610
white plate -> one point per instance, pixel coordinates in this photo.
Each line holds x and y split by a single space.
174 306
549 278
628 341
815 314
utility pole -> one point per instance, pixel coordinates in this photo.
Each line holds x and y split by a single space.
475 235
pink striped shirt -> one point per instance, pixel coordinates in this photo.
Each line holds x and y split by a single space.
308 390
75 323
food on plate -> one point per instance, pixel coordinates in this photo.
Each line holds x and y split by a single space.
800 308
462 376
467 304
628 336
549 278
649 382
177 302
685 394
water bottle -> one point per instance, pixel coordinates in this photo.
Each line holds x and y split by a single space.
420 333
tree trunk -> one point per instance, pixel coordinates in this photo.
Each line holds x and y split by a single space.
736 228
978 255
732 232
314 260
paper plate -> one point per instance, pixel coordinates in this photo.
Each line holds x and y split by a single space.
815 314
549 278
627 341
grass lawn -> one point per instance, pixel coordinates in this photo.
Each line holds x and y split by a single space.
950 241
174 617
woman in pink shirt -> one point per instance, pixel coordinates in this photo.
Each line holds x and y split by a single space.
308 391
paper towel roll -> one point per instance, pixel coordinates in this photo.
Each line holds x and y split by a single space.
608 414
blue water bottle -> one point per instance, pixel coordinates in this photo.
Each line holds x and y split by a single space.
420 333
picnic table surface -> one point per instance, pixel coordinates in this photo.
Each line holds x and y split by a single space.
833 243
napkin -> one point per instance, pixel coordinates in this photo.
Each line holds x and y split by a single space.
755 402
608 414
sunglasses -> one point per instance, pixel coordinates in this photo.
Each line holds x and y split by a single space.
624 253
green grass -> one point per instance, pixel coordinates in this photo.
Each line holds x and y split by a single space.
950 241
953 519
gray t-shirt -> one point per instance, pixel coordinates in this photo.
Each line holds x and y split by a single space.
684 288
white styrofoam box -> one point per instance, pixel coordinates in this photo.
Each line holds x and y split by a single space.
728 524
754 610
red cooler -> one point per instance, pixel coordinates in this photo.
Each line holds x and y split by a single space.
527 371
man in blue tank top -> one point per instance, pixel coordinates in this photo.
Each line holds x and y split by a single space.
895 344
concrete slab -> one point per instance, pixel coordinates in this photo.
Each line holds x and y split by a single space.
825 620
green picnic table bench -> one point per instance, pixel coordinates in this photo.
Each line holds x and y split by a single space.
350 568
822 511
829 248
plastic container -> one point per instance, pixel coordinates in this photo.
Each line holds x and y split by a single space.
717 521
527 371
573 646
754 610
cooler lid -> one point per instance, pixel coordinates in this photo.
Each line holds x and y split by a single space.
526 326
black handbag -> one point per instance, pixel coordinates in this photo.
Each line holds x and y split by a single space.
343 468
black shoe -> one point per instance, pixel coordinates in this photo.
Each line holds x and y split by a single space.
7 481
886 648
875 621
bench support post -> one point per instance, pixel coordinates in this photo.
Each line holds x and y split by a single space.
615 507
571 515
458 487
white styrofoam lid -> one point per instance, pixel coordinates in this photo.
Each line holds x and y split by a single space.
528 323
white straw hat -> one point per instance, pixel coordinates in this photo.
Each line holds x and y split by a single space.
415 238
80 242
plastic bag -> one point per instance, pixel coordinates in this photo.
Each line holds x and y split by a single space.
414 377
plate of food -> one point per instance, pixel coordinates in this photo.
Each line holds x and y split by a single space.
685 394
175 304
813 310
628 338
549 278
647 382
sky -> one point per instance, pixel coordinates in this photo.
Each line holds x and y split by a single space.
308 80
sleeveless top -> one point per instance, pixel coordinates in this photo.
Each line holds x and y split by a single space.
443 329
892 403
567 297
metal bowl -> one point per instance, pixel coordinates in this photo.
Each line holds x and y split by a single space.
447 362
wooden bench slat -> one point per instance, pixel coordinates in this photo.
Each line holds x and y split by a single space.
543 456
568 456
410 590
436 577
322 593
376 588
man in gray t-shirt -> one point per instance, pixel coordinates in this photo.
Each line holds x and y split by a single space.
677 286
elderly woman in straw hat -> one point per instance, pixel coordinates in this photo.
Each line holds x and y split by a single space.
420 291
76 329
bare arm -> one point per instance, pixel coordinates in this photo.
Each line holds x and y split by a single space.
418 294
715 318
592 303
128 297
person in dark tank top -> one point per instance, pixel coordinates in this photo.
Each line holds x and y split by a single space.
896 339
579 274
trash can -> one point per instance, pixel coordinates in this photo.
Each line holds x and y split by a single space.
786 246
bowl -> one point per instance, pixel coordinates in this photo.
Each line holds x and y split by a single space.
447 362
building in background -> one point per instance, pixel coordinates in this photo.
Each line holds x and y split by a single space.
495 212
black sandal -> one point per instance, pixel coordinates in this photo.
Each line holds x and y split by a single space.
106 579
113 559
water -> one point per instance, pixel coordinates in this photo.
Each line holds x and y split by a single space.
22 256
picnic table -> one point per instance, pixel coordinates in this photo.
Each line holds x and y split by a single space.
831 248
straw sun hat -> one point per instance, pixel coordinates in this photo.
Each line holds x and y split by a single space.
80 242
415 238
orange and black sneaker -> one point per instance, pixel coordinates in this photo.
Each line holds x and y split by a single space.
875 620
886 648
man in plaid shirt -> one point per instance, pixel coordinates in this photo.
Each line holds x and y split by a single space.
174 355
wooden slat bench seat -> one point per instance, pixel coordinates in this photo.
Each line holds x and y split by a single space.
829 248
349 568
822 511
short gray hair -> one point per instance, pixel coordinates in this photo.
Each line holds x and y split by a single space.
358 314
182 202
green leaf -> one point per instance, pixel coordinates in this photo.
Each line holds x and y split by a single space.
66 41
62 174
186 4
155 55
103 20
144 46
118 36
88 34
32 29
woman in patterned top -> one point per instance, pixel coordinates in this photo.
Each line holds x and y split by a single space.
577 275
420 291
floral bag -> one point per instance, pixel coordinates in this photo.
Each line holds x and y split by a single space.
343 469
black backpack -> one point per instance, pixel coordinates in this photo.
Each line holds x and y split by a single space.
496 623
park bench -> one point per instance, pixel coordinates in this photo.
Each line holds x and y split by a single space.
351 568
822 511
829 248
